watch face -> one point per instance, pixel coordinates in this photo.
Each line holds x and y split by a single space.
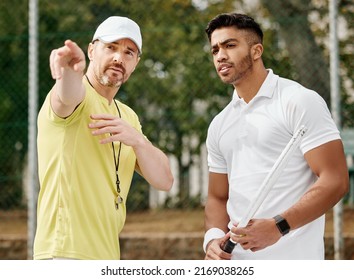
282 224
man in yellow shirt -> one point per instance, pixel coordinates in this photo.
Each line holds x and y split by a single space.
89 146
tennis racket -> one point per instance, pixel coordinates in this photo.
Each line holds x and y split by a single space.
268 182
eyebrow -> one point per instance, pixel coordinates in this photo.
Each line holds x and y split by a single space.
134 50
223 43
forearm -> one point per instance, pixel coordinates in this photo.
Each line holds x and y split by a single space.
67 93
215 209
328 163
154 165
216 221
321 197
70 88
216 215
67 65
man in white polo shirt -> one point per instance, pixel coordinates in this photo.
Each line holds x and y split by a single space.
244 141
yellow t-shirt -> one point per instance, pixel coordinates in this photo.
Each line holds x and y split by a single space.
76 216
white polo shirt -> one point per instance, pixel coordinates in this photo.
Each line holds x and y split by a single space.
244 141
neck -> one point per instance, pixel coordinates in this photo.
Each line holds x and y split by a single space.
250 85
107 92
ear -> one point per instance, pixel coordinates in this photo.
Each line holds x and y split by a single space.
257 51
90 51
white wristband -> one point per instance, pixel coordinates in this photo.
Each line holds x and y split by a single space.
211 234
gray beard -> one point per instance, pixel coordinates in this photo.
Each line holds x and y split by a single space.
104 80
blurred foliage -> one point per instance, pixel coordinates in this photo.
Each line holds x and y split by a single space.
175 89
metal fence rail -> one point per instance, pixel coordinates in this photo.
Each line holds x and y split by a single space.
175 66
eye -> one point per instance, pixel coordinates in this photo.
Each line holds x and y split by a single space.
230 45
111 47
214 51
129 52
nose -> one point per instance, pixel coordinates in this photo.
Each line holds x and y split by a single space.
118 57
222 55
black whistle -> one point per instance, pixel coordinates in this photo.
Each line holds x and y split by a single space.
229 246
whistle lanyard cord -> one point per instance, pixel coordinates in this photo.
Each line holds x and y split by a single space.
117 159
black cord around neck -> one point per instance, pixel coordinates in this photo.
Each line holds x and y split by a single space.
119 199
117 159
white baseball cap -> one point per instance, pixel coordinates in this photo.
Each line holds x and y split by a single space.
115 28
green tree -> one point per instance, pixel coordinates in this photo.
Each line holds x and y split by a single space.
346 58
13 104
175 89
308 58
172 89
306 43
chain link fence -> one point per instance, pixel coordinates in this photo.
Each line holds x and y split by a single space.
175 89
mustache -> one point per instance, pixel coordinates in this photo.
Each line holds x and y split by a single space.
117 66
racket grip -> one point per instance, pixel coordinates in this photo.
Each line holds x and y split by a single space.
229 246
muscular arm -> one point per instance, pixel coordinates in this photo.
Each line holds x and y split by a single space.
328 163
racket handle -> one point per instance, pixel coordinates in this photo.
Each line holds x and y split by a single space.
229 246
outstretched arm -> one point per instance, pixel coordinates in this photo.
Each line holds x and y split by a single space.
67 65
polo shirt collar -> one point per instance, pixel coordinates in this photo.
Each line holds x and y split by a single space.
266 90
